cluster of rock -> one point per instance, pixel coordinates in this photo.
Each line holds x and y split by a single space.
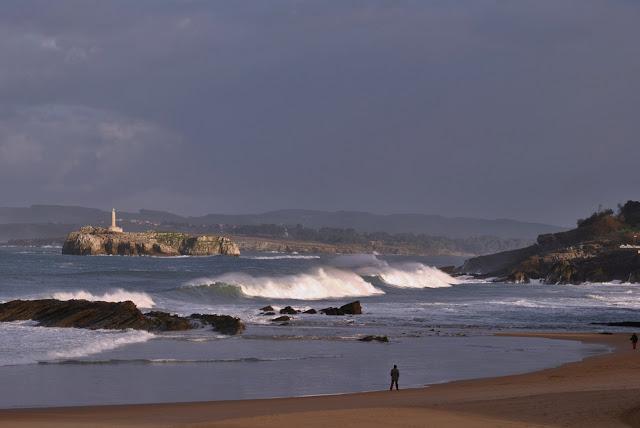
353 308
111 315
90 240
602 248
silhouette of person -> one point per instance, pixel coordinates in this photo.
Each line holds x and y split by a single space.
395 375
634 340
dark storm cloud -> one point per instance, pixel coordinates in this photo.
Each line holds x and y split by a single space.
471 108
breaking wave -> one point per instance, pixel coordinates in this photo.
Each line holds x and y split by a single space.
416 275
403 275
282 257
141 300
316 284
622 300
26 343
106 340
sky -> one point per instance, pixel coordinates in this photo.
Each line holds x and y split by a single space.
494 109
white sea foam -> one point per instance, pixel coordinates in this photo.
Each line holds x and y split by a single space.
284 256
104 341
622 300
25 343
142 300
316 284
416 275
403 275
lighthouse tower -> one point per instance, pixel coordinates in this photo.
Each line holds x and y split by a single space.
114 227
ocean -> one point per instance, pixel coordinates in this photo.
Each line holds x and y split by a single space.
440 328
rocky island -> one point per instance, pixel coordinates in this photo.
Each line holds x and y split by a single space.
604 247
90 240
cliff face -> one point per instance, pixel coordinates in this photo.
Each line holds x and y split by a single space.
602 248
91 240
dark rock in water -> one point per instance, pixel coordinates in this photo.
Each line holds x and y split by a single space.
268 313
353 308
619 323
331 311
110 315
310 311
164 321
282 318
267 309
289 311
448 269
76 313
383 339
225 324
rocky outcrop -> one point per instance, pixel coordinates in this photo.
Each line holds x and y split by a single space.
91 240
225 324
619 324
288 310
110 315
603 248
382 339
353 308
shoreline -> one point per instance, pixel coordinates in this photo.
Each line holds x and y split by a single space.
600 390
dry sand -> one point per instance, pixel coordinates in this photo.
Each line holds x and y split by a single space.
601 391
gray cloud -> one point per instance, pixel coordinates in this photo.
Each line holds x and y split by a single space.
474 108
68 150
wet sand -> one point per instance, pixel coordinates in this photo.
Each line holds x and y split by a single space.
600 391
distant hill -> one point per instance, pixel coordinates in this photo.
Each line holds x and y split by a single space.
457 227
452 227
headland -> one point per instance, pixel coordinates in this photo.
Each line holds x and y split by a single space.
604 247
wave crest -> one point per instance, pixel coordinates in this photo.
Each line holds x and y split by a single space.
105 341
283 257
403 275
316 284
141 300
416 275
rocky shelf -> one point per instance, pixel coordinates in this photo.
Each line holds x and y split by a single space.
112 316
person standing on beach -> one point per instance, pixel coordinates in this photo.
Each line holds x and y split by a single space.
395 375
634 340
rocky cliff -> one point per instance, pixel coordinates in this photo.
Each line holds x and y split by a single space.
604 247
91 240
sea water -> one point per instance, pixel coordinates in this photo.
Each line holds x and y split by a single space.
440 328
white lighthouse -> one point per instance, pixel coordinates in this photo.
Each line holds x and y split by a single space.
114 227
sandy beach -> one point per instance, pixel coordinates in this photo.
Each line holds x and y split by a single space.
599 391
